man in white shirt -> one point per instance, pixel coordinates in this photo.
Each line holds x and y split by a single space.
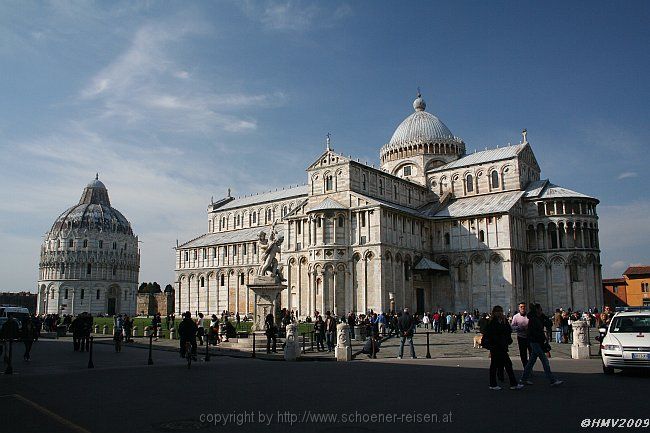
520 326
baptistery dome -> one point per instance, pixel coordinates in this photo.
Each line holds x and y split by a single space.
90 259
93 212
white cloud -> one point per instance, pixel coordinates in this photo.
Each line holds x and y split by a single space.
619 265
627 174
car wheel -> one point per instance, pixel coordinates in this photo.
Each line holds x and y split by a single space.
608 370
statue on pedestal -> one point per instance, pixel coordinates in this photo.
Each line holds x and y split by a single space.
268 249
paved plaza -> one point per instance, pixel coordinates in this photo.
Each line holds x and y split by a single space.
56 392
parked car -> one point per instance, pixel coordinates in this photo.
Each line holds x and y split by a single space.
626 343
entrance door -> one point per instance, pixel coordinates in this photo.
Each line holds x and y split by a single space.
419 298
111 306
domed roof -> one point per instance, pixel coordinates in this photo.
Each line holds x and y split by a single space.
93 212
420 127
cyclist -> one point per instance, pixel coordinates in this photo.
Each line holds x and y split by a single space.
187 330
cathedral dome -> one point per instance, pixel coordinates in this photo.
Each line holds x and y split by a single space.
420 127
93 212
421 133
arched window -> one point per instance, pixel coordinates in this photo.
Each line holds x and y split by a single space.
469 182
70 243
62 268
363 181
66 294
481 236
495 179
407 271
381 187
202 282
97 295
254 217
241 279
447 239
85 243
89 269
114 245
83 294
329 183
223 280
340 221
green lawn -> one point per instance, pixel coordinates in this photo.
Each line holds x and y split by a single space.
142 322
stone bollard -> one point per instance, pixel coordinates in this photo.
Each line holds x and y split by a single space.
146 331
105 330
96 329
580 346
291 347
172 333
343 349
135 331
113 331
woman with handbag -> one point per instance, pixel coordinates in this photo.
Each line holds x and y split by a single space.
539 346
497 338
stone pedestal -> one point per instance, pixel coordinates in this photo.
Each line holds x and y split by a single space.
580 346
172 333
105 330
135 331
266 290
96 329
291 347
343 348
579 352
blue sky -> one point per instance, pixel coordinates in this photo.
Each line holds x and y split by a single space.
175 102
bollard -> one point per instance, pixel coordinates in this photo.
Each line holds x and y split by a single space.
10 368
253 345
428 352
90 354
146 332
303 342
150 361
96 329
171 333
105 330
135 331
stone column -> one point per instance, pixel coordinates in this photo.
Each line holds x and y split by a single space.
580 346
343 350
334 309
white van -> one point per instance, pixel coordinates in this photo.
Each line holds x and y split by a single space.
19 313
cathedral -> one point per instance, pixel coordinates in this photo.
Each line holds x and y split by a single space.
433 228
89 259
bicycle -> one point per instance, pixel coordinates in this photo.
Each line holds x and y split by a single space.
188 354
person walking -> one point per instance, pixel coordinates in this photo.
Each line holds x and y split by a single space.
538 347
405 327
352 321
319 332
28 334
520 326
330 330
200 329
497 339
271 332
